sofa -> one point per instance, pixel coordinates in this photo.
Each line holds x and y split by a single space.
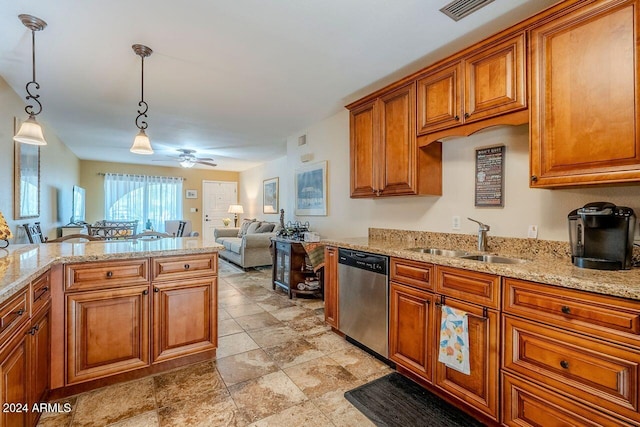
247 246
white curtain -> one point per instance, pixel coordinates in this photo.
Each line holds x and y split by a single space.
142 198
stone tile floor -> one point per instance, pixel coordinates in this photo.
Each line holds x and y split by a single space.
277 364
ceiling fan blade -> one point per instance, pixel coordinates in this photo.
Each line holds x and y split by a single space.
206 159
206 163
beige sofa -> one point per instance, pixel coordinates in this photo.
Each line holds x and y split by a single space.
250 250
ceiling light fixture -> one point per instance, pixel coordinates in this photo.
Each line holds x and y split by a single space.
142 144
187 163
30 131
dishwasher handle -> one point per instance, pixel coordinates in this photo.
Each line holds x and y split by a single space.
363 260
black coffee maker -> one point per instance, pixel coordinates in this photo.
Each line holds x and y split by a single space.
601 236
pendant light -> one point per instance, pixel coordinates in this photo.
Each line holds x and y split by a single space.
30 131
141 143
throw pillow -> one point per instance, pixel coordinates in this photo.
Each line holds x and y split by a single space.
253 227
245 224
265 227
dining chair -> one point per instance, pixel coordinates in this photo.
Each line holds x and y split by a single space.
34 233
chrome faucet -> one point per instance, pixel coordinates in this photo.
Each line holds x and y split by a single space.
482 235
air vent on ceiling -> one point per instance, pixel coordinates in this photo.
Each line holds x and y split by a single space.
458 9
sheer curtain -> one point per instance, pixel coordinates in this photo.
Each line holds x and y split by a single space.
143 198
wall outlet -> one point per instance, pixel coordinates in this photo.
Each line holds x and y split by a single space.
533 232
455 222
194 210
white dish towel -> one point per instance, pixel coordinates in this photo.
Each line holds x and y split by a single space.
454 339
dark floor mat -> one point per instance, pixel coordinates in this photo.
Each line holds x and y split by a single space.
394 400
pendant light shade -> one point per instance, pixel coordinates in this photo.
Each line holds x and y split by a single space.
30 131
141 143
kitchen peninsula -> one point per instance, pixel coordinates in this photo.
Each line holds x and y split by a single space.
75 316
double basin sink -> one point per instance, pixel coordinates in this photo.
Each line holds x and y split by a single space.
492 259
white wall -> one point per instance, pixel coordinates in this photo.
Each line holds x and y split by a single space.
59 169
523 206
250 189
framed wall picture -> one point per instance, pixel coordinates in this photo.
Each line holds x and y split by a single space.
270 192
191 194
26 180
311 189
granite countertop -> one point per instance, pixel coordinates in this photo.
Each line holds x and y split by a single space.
19 264
542 268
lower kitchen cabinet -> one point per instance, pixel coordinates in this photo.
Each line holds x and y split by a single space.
184 317
331 286
479 389
107 332
410 329
14 374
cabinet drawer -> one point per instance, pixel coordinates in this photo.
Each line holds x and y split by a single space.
106 274
471 286
283 247
13 313
412 273
179 267
525 404
40 292
606 317
603 374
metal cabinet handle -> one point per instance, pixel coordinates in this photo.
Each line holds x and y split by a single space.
156 290
186 266
41 294
534 178
564 364
20 312
565 309
109 274
456 118
467 115
145 292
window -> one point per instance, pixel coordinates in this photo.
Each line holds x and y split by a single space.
142 198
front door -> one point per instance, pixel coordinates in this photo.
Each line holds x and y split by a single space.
217 196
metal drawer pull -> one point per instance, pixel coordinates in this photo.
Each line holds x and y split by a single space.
564 364
41 294
20 312
186 266
33 330
109 274
566 310
156 290
145 292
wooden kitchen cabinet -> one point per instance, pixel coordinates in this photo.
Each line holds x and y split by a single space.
14 376
479 389
584 96
487 82
184 317
39 349
331 286
107 332
411 329
385 158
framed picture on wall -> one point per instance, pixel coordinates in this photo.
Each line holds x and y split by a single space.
191 194
270 192
311 189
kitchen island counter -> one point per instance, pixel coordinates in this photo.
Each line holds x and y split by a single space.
20 264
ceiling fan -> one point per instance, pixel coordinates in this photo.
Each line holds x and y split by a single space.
187 159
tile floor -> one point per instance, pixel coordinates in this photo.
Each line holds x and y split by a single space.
277 364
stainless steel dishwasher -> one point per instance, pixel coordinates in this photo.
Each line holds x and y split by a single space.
363 303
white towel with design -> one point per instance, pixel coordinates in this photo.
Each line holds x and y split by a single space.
454 339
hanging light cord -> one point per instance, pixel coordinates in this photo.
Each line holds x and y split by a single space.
142 112
29 108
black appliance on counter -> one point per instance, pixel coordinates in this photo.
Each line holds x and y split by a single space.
601 236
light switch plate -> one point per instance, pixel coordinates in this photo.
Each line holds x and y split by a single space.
533 232
455 222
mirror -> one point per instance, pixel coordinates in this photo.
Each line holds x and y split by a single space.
26 181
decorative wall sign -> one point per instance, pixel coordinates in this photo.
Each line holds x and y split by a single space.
311 189
490 176
191 194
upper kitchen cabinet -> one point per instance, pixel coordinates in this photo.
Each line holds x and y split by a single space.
584 96
487 81
385 158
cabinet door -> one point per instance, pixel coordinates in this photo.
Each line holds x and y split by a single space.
184 318
39 353
410 330
397 158
479 389
584 97
107 332
364 128
440 99
14 373
331 286
495 80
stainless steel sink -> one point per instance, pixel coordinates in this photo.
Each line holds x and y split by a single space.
494 259
441 252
